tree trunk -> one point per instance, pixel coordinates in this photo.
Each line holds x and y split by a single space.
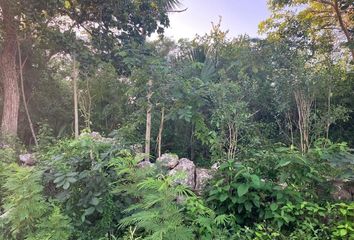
76 107
303 104
21 65
343 26
328 121
85 105
290 127
192 142
9 123
148 122
159 137
232 139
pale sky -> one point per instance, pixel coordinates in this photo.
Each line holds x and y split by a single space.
238 16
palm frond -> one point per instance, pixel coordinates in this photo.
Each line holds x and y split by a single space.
169 5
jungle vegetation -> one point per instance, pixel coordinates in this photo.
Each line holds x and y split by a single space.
275 114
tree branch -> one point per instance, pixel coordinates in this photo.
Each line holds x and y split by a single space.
177 11
22 64
326 2
343 25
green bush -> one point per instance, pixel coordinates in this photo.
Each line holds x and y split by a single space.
90 189
26 213
237 190
79 176
274 194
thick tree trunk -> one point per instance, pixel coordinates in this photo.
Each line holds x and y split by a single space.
8 73
148 122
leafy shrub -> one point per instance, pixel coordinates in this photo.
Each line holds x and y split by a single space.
206 223
45 136
344 227
338 156
101 192
79 176
54 227
23 203
154 211
272 195
25 211
287 166
7 156
249 198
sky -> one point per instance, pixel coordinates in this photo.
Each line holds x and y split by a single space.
238 16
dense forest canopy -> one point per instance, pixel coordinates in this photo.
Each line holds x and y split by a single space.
108 134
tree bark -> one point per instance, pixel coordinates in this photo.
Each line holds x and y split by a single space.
76 106
342 25
8 73
328 121
192 142
148 122
159 137
303 104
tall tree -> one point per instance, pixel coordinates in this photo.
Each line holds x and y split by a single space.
110 24
317 15
9 76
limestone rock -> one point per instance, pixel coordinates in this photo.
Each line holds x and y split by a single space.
144 164
186 168
27 159
168 160
201 179
341 191
215 166
137 148
3 145
96 136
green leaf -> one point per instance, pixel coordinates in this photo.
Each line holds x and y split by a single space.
248 206
89 211
343 232
66 185
59 179
239 208
283 163
223 197
256 202
71 174
71 180
67 4
273 206
242 189
95 201
256 180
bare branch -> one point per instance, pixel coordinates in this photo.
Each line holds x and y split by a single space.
22 64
